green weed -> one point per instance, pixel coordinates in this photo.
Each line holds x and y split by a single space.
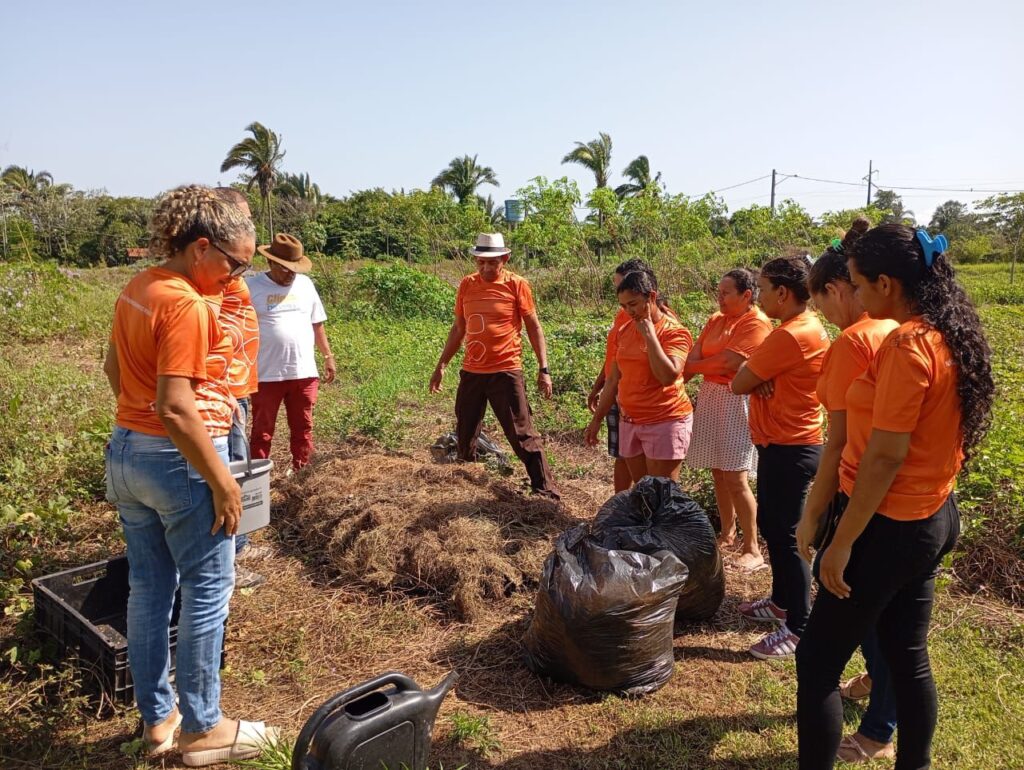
474 732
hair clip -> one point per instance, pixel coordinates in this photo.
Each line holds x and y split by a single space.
836 244
932 246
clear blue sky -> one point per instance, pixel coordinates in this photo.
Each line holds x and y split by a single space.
136 97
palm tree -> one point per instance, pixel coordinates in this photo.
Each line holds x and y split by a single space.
889 199
299 186
595 155
260 155
639 171
463 176
25 183
495 212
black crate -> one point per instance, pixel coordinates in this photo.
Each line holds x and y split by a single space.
85 610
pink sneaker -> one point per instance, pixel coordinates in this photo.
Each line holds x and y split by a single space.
763 611
779 644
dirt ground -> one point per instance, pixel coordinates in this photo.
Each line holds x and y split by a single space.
318 626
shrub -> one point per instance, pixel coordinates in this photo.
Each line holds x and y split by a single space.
400 291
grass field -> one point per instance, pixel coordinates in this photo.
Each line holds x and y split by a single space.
307 634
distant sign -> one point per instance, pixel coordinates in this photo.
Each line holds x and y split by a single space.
515 210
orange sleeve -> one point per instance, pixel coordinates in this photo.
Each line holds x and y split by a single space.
676 342
779 351
182 340
459 299
902 381
847 361
610 348
525 298
748 336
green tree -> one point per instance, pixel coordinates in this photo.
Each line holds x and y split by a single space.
550 231
1006 212
641 183
891 201
595 155
260 156
24 183
463 176
299 186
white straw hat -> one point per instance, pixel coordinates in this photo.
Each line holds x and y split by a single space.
490 245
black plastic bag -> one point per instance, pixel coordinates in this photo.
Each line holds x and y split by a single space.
657 515
604 617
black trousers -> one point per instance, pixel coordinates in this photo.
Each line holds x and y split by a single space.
506 393
891 575
784 474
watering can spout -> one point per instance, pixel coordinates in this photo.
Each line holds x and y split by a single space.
435 696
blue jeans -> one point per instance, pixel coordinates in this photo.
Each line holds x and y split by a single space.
238 449
879 720
166 510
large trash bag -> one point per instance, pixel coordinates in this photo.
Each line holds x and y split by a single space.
657 515
604 617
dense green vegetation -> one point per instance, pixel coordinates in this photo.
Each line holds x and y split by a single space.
43 219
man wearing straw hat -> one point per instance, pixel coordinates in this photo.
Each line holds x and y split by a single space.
491 307
291 319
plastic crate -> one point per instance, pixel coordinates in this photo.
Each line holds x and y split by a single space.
85 610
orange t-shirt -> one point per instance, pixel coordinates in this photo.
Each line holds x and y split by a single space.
741 334
163 326
848 358
790 356
493 312
642 398
238 319
909 387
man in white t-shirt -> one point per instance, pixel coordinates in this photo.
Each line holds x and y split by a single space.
291 319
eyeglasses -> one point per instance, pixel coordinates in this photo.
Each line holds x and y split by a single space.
239 266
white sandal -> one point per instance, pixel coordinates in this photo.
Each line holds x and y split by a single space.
251 739
154 749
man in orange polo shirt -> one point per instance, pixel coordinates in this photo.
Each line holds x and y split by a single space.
491 308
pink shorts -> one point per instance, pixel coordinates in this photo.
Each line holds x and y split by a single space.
667 440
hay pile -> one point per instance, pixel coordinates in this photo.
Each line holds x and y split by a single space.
452 532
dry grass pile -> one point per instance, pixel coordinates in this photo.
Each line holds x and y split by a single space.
398 523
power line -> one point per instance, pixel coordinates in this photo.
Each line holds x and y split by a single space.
946 189
741 184
882 185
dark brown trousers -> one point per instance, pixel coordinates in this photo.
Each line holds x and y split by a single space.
506 393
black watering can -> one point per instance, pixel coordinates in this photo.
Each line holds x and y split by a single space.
370 727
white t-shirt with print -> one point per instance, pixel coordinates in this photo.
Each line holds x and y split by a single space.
286 316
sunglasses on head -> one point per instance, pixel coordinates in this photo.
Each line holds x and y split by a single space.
238 267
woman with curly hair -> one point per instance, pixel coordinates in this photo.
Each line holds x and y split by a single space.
166 469
786 426
912 420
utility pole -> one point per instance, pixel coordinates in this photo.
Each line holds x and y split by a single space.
773 192
870 175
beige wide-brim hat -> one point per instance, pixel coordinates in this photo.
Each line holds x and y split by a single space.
490 245
286 250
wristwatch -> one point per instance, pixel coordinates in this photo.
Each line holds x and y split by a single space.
544 370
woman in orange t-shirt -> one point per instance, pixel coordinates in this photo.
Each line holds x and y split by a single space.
846 360
786 427
620 477
721 433
923 404
166 471
646 379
